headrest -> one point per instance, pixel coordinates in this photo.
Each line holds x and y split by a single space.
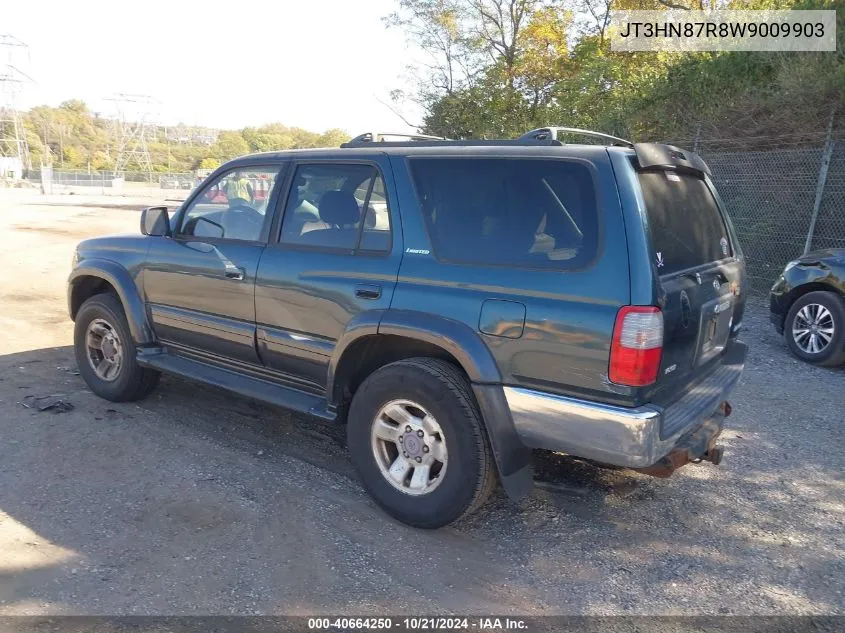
338 207
370 220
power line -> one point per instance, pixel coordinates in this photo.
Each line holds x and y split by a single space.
13 82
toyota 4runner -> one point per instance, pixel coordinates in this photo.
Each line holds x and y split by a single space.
454 303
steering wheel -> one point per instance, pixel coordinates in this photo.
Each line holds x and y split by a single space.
240 207
243 209
243 214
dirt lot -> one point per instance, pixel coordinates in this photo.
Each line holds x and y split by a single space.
196 501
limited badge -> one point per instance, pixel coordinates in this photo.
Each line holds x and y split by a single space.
724 244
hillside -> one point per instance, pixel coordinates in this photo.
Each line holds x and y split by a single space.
72 137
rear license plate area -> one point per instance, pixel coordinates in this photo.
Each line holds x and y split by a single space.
715 328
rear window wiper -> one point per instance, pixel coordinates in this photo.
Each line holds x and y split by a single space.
563 208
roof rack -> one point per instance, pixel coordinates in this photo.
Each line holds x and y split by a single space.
540 136
552 132
380 137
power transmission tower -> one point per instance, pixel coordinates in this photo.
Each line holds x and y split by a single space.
12 83
135 127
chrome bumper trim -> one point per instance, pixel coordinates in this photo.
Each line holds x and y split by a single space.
605 433
634 437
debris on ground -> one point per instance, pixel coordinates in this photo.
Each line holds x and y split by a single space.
53 403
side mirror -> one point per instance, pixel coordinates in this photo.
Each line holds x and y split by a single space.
203 227
155 221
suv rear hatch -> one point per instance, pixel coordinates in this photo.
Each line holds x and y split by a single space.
698 263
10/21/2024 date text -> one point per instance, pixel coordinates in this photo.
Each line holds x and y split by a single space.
417 624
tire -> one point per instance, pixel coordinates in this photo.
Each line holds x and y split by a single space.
827 311
129 381
467 477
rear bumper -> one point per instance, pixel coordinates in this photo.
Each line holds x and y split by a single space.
634 437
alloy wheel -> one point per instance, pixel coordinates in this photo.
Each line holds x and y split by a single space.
104 350
813 328
409 447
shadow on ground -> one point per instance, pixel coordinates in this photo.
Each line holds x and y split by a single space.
198 501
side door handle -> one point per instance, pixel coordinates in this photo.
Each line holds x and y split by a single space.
368 291
235 273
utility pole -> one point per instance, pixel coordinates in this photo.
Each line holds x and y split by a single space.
12 83
167 143
135 126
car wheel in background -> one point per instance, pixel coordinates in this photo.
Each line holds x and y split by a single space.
815 328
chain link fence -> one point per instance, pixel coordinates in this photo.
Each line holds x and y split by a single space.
109 182
784 194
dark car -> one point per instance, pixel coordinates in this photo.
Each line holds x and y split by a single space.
455 304
807 306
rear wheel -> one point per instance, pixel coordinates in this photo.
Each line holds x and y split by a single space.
418 444
815 328
105 352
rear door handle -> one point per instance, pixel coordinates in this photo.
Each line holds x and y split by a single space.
368 291
235 273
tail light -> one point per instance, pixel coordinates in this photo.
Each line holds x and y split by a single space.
637 346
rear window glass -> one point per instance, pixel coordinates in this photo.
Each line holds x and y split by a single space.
687 228
520 213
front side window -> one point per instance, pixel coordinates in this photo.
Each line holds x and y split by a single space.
339 206
232 206
529 213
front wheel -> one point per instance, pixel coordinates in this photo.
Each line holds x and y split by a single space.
105 352
418 443
815 328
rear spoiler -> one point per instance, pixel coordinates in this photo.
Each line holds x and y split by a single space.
660 156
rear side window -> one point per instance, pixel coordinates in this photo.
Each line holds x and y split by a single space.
687 228
509 212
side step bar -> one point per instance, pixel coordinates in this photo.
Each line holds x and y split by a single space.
266 391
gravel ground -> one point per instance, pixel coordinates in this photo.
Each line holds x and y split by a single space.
196 501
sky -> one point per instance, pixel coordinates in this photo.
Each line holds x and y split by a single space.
315 64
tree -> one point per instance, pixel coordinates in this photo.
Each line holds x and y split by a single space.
208 163
509 54
436 27
332 138
543 55
539 62
230 145
599 16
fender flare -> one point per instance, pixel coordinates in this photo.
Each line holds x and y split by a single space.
454 337
457 338
513 459
127 290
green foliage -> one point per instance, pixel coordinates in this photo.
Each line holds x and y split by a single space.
209 163
72 137
229 145
534 65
